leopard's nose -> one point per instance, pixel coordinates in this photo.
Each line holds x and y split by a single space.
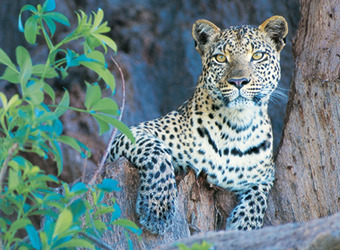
238 82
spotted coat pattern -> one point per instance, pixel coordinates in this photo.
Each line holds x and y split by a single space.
223 130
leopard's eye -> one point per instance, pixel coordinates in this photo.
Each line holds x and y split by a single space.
221 58
258 55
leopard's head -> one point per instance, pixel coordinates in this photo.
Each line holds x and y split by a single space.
241 65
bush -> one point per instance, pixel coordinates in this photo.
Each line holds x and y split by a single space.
28 124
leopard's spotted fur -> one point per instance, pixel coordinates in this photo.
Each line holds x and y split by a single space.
223 130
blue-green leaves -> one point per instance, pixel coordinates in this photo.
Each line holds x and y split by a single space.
104 111
11 73
204 245
33 236
93 29
25 64
108 185
49 5
30 123
40 16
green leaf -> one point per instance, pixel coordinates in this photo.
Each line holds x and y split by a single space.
33 86
107 41
58 17
103 125
76 243
99 225
109 185
3 223
63 105
70 141
49 5
128 225
203 246
57 155
34 92
31 29
6 207
103 72
104 210
33 236
79 188
39 70
182 246
107 106
63 223
91 43
13 179
45 178
44 241
18 224
49 91
25 63
74 59
3 100
15 100
116 123
37 97
78 209
116 213
96 56
26 7
93 95
50 24
63 72
11 75
87 150
98 18
196 246
4 59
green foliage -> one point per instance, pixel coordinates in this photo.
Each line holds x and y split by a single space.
28 124
196 246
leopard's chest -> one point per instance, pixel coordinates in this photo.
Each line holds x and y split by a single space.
231 154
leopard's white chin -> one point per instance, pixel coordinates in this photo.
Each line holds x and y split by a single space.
240 103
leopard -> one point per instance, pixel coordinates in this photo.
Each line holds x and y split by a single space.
223 130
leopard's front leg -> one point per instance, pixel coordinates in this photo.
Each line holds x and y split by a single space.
250 212
157 192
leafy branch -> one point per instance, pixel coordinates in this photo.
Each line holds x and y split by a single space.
28 124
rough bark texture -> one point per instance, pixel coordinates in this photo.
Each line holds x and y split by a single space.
200 207
308 163
318 234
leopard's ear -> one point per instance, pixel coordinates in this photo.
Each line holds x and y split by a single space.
204 32
276 28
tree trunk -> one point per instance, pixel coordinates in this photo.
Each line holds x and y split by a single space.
308 162
200 207
313 235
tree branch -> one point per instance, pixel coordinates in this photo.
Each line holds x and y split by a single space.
114 132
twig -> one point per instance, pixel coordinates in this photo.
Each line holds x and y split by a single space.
114 132
123 89
98 242
5 164
84 168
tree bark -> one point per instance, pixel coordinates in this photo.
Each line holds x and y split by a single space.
308 162
200 207
317 234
